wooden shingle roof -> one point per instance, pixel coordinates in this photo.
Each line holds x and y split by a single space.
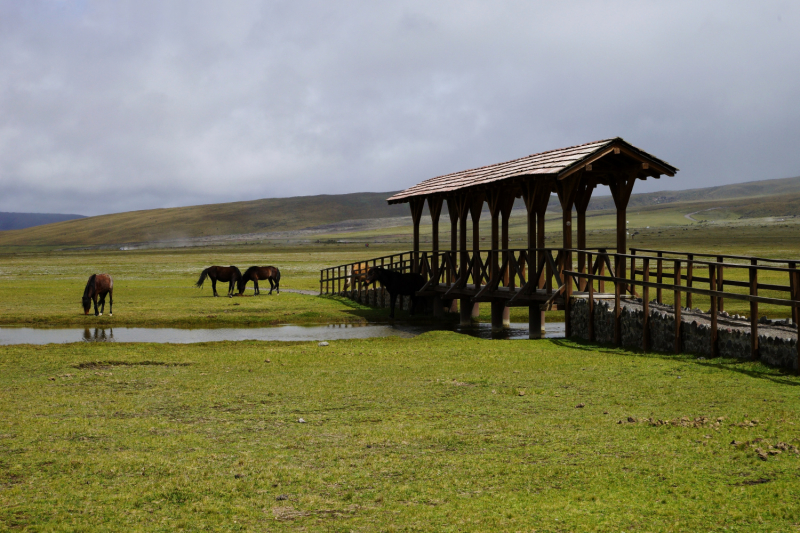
559 163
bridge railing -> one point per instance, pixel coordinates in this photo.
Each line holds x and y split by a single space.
485 271
690 274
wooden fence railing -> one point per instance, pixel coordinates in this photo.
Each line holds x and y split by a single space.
681 269
486 271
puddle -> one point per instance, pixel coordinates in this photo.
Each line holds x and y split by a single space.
330 332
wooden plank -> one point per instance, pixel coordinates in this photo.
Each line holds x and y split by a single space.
689 271
720 282
646 305
712 272
590 285
659 276
618 262
792 288
677 308
754 353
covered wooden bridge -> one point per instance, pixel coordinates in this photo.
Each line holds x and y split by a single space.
465 272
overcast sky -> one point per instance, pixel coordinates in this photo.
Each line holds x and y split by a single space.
116 106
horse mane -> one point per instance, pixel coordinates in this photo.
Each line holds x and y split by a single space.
87 292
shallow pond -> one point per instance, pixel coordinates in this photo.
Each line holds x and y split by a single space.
330 332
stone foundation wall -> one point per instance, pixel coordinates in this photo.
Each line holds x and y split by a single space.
777 348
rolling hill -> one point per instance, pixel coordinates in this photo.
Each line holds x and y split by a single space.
777 197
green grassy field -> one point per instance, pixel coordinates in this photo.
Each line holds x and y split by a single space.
442 432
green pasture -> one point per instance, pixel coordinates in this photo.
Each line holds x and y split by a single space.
438 433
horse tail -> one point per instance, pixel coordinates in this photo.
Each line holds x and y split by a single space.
203 276
277 275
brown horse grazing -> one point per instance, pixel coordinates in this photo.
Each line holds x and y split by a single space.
256 273
99 285
230 274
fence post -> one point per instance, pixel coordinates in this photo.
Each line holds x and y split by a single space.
601 285
677 307
567 304
792 289
617 311
659 277
633 272
712 284
645 304
590 285
753 271
689 270
796 297
720 283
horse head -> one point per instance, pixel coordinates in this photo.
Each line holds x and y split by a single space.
87 304
373 275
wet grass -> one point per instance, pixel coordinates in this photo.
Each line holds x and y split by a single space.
442 432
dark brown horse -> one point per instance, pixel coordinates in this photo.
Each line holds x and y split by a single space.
230 274
397 284
256 273
98 286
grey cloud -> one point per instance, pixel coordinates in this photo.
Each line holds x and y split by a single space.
129 105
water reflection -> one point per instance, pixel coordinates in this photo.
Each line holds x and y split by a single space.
100 335
329 332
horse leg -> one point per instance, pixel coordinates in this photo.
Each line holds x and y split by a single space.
102 303
256 291
271 285
110 303
230 288
94 299
214 286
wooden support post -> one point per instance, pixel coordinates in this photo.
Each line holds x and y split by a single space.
506 205
475 208
567 305
452 211
712 283
567 190
321 274
633 273
645 304
590 286
754 353
465 311
792 288
619 263
659 277
435 208
621 188
416 205
720 283
535 330
677 307
796 297
582 197
689 270
601 285
463 262
493 200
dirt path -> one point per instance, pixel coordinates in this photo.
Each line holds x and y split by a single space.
689 216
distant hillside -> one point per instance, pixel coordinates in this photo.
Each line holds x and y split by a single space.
256 216
753 199
750 189
10 221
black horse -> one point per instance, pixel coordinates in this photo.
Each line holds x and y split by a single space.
397 284
256 273
230 274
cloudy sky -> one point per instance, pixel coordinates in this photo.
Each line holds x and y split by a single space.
115 106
